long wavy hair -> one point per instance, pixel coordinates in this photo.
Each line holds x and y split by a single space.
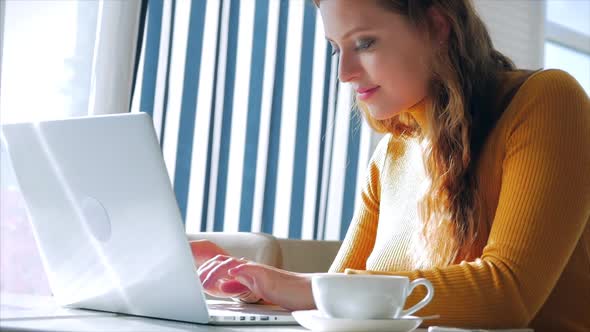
464 77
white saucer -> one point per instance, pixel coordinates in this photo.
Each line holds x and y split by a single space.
314 320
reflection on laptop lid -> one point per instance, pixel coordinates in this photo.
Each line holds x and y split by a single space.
107 223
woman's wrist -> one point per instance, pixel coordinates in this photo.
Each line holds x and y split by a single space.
304 293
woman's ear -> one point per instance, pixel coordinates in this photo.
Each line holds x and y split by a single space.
440 24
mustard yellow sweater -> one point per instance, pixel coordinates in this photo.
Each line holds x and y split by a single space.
534 175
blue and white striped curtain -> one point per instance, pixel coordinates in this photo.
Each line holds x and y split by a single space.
256 131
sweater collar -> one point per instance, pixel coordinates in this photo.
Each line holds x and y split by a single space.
418 112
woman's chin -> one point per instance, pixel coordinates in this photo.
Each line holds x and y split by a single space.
379 116
381 113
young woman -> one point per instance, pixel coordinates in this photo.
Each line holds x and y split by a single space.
482 184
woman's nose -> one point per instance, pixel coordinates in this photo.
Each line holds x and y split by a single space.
348 68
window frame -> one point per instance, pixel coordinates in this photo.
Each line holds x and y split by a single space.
566 37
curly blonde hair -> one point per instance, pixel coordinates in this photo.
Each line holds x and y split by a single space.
458 111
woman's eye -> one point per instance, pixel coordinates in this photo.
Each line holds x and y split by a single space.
361 44
364 44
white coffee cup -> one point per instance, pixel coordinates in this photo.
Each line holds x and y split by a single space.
366 296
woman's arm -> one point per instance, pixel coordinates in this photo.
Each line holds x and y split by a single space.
225 276
289 290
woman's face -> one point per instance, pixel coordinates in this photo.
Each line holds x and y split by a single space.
382 55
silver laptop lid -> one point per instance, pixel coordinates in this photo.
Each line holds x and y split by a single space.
105 216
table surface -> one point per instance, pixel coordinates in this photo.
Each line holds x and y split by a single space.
20 312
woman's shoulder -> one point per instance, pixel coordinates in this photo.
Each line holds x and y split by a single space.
554 81
545 94
548 85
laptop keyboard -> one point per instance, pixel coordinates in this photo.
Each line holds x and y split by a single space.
242 313
229 308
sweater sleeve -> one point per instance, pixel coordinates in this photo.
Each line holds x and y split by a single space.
543 209
360 236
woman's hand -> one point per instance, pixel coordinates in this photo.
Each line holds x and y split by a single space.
289 290
217 282
204 250
226 276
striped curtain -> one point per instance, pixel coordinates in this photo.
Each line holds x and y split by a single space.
256 131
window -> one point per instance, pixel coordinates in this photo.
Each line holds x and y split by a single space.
53 59
46 62
52 63
567 38
254 127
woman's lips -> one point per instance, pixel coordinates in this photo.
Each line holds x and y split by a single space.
364 94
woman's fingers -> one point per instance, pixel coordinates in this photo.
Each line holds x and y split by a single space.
204 250
217 273
234 287
274 285
217 281
250 271
253 276
206 267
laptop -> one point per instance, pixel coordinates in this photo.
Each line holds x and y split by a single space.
107 223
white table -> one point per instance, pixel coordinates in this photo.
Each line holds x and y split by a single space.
20 312
40 313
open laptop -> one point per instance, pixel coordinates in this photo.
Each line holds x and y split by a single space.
107 223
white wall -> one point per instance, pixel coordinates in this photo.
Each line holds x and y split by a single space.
516 28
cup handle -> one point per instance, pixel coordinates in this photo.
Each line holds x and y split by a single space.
425 300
